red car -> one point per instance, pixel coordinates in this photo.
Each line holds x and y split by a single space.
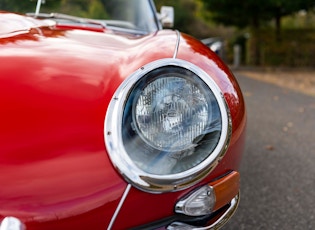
115 124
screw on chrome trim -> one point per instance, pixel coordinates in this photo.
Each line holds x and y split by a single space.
109 133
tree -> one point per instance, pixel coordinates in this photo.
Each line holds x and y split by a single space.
26 6
83 8
186 19
96 10
253 14
281 8
246 13
18 6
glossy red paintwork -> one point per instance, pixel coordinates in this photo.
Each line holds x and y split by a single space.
55 86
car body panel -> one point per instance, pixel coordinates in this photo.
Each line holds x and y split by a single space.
52 117
55 87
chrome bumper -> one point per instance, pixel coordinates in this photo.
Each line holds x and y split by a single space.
12 223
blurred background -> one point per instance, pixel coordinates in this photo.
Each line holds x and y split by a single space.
262 33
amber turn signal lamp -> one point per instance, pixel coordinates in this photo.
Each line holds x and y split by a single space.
225 189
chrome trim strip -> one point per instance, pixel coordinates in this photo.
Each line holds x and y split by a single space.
113 135
177 44
217 224
121 202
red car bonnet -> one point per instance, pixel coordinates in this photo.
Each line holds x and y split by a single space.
55 86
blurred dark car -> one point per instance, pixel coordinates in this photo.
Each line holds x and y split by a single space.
215 44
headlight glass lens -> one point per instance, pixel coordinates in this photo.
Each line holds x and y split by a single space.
176 110
171 121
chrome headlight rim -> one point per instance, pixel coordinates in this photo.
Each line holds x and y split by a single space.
114 141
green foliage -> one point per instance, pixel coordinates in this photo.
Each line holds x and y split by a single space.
201 18
184 12
297 48
287 7
189 16
237 13
302 19
25 6
83 8
252 12
73 7
96 10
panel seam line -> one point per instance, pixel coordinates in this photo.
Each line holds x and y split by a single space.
121 202
177 44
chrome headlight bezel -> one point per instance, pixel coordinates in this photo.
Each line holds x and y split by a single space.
113 134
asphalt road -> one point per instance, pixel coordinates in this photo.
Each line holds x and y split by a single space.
278 166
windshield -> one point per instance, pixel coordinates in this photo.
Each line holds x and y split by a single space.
136 15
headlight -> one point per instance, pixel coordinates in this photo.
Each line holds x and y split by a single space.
167 126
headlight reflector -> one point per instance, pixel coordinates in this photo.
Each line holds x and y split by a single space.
176 110
167 127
